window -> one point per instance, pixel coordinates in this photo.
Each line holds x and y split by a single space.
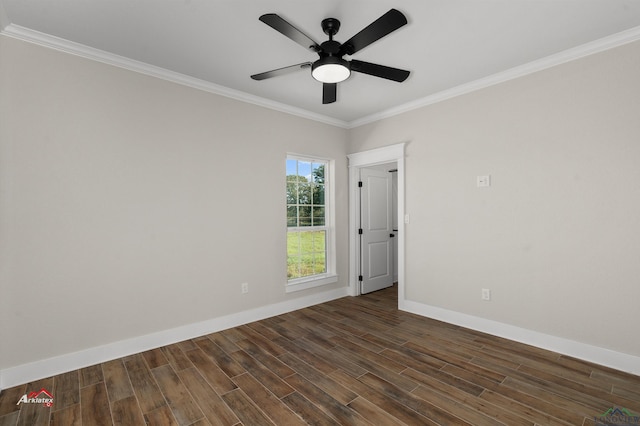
310 253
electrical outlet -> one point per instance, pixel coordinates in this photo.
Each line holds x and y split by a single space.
484 181
244 288
486 294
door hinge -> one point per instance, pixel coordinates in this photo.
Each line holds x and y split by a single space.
360 231
359 277
359 184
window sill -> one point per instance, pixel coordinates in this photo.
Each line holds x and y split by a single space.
307 283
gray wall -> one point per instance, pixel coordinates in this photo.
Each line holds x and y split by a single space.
557 235
131 205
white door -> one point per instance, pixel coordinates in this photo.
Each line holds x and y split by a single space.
376 224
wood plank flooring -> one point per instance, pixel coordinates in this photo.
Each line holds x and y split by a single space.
352 361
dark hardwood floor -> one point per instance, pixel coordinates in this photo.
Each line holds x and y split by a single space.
352 361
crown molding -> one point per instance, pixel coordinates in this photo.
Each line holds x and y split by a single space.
57 43
600 45
60 44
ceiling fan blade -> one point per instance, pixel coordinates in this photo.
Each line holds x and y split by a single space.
288 30
387 23
329 91
381 71
281 71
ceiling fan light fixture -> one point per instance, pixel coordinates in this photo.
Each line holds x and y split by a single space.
330 69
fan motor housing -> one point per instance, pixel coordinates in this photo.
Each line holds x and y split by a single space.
330 48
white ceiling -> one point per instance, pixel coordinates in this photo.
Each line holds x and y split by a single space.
448 45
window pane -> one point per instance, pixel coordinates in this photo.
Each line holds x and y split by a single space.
292 215
319 238
318 216
292 192
293 267
304 193
306 241
317 173
318 194
304 169
304 216
293 243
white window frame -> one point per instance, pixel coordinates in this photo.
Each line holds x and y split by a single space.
329 276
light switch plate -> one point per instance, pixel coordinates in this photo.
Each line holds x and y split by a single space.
486 294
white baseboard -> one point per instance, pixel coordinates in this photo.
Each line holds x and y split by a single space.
25 373
606 357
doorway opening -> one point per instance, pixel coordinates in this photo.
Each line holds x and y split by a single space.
386 159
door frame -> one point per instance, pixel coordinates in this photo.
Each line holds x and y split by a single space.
388 154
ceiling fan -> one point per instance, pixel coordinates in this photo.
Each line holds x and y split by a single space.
331 68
